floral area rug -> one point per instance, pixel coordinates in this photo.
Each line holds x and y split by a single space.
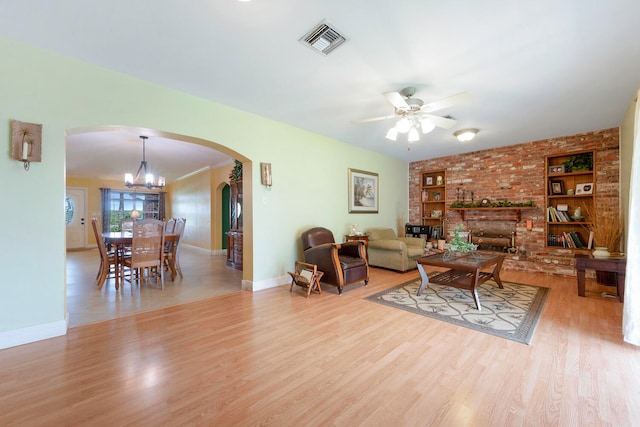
512 313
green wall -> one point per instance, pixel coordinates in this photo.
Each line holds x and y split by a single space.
309 176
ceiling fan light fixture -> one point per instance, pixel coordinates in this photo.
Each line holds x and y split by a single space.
413 135
427 125
392 134
465 135
403 125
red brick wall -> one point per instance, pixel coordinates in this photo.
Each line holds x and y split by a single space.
516 173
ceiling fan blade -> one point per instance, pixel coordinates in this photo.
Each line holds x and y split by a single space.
396 100
441 122
374 119
446 102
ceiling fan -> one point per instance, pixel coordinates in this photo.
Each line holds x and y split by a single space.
414 113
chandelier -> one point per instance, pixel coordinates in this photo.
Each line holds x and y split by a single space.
409 124
130 181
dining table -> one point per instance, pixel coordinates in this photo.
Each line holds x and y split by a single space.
122 239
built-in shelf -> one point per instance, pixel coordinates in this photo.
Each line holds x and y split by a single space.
562 194
433 198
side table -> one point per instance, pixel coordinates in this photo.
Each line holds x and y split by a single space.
363 237
614 264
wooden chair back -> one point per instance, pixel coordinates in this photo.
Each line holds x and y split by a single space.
105 260
171 224
127 224
179 227
102 248
147 245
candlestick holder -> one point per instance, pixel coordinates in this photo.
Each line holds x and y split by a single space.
26 140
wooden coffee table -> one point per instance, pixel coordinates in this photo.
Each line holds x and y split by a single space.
465 271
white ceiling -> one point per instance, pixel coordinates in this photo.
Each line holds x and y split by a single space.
535 69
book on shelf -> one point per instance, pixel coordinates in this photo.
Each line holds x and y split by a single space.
567 240
590 244
564 215
577 238
555 215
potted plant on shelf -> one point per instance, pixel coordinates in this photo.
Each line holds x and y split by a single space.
579 163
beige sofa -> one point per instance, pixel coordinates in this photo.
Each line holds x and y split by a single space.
396 253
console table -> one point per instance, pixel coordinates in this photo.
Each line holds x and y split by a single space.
614 264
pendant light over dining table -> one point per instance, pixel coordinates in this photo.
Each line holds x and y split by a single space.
130 180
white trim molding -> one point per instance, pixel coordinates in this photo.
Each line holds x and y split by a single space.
16 337
251 286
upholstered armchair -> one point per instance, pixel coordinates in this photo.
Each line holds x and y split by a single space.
341 263
395 253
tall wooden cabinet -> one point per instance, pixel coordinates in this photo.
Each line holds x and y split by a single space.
234 235
433 198
570 199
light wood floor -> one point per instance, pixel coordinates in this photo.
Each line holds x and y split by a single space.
277 358
205 276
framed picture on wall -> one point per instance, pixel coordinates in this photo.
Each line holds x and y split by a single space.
363 191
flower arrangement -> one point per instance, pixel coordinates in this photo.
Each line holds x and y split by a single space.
460 243
607 228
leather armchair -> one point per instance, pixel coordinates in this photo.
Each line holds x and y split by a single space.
341 263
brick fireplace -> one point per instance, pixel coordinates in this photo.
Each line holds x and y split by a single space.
516 173
490 235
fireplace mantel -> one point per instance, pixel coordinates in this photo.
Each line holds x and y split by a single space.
507 208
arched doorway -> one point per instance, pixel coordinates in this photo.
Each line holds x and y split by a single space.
217 187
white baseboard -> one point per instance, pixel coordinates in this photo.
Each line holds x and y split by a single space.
15 337
248 285
206 251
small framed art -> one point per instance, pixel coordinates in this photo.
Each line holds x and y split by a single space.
584 188
556 169
556 187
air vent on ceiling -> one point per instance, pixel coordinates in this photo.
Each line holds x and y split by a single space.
323 38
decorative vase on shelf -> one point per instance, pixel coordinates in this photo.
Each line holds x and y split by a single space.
601 252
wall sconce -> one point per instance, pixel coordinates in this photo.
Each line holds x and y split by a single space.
529 224
26 141
265 174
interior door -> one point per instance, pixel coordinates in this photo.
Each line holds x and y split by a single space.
75 217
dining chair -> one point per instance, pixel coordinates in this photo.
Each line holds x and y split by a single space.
171 224
170 253
127 224
107 258
147 248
